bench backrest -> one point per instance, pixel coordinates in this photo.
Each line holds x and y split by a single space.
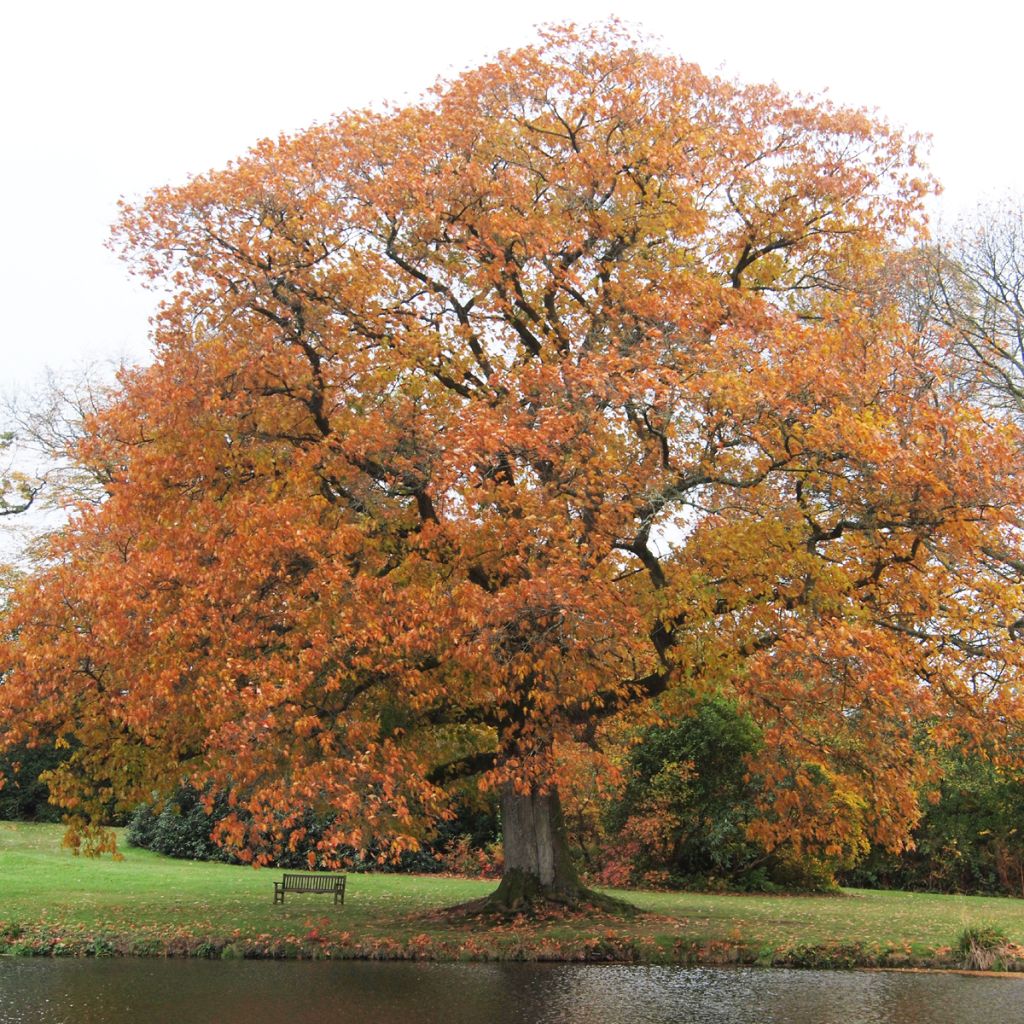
313 883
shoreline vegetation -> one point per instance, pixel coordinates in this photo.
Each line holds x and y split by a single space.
57 904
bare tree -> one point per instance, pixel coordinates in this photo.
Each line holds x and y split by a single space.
18 490
975 291
45 425
969 287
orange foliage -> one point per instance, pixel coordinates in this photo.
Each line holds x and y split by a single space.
482 423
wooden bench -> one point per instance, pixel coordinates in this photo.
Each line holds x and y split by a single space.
311 883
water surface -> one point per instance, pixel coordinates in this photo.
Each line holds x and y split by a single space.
267 992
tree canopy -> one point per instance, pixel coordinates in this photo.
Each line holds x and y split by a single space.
481 427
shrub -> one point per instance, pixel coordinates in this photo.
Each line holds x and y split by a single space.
969 840
462 856
984 947
685 805
682 818
23 797
180 827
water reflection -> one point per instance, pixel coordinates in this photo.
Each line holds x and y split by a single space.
191 992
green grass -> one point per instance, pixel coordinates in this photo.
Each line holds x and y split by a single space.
54 902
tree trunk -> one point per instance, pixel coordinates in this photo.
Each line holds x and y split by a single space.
538 867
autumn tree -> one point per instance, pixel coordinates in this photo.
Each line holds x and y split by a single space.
482 426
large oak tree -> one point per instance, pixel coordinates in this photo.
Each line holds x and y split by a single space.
480 426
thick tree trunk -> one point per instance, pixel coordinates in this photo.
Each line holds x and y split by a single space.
538 867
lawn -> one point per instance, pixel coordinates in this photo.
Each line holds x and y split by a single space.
55 903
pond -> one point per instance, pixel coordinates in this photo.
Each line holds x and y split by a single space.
266 992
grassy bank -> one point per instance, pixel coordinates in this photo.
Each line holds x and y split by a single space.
52 903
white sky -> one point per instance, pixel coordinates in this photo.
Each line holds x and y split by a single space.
103 98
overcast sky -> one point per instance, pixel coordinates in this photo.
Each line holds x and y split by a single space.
104 99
